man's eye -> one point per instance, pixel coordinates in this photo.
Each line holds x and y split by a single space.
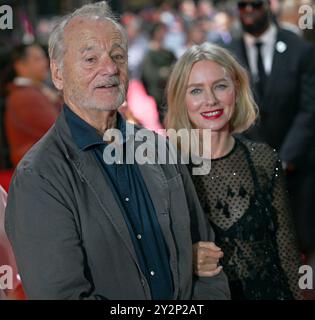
195 91
118 57
90 59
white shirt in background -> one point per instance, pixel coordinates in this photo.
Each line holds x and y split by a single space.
268 40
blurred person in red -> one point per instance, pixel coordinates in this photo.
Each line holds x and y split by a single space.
31 108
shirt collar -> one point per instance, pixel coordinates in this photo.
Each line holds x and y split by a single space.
86 136
268 37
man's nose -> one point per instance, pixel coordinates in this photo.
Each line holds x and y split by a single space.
108 66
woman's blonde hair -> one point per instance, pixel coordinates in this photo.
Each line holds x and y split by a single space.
246 110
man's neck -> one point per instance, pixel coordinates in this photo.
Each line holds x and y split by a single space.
100 120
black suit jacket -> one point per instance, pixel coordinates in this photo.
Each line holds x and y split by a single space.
287 110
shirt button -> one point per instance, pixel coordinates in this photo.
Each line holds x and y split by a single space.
152 273
139 236
127 199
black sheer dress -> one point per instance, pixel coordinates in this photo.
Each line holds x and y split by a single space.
245 198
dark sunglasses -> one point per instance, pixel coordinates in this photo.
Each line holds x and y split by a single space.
254 4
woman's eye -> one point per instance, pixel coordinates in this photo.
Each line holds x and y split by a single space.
221 86
195 91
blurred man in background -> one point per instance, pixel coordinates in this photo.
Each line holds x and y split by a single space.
282 70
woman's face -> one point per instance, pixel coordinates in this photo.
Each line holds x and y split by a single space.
210 96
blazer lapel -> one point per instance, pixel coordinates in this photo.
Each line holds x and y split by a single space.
87 168
158 189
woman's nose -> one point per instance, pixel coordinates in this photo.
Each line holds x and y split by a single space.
211 99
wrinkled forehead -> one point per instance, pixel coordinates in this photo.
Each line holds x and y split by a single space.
82 29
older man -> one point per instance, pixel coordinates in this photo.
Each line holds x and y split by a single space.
84 229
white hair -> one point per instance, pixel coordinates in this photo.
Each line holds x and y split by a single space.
98 10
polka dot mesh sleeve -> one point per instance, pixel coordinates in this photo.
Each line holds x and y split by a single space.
286 233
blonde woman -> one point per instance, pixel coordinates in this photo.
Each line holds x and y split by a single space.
244 194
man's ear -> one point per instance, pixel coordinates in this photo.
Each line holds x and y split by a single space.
56 74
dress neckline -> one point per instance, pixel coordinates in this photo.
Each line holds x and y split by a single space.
229 153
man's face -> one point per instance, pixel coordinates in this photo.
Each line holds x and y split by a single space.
94 73
254 15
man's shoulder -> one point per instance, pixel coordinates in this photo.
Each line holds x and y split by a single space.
235 43
44 156
282 35
297 42
166 155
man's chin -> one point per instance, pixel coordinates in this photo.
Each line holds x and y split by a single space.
256 26
252 29
98 107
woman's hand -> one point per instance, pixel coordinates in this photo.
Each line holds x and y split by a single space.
206 257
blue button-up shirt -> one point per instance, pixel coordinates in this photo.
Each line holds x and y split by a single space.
132 196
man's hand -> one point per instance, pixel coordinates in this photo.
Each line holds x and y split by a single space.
206 257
